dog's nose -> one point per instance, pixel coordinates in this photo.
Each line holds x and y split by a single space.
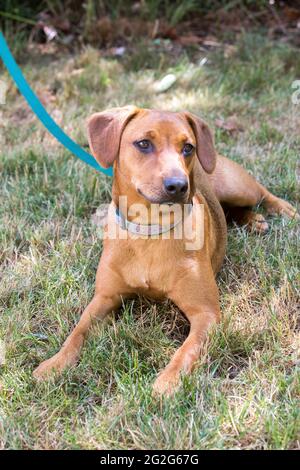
176 186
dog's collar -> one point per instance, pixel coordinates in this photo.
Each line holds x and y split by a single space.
145 230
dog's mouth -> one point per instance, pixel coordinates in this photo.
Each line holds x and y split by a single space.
164 199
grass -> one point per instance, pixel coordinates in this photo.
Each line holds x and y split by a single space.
245 392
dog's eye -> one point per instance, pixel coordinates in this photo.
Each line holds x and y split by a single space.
144 145
188 150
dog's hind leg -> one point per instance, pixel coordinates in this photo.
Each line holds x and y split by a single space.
236 188
246 217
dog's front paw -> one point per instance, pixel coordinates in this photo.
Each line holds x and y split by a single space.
166 383
53 366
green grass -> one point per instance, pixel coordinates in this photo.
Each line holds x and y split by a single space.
245 392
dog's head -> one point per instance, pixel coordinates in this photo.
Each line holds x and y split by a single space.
153 151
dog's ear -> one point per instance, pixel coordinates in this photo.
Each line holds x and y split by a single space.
105 130
206 151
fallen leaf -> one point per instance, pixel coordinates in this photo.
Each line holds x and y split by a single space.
117 51
203 61
77 72
165 83
211 41
189 40
292 14
50 32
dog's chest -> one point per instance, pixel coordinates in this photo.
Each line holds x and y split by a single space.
152 267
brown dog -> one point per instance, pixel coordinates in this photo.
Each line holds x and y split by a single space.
164 158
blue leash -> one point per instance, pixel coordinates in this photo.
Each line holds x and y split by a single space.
41 112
